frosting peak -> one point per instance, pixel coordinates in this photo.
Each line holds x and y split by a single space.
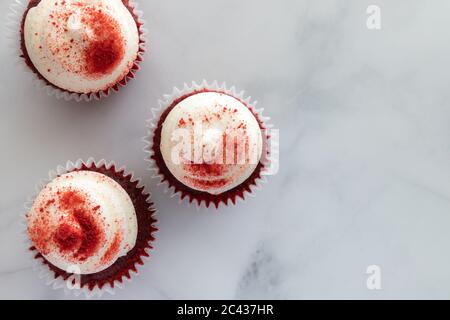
211 142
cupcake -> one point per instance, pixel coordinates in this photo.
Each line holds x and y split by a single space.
82 49
90 227
208 144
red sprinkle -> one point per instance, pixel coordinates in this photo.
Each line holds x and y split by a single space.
102 56
88 239
40 235
107 49
71 199
91 235
113 250
67 238
206 170
182 123
207 176
77 234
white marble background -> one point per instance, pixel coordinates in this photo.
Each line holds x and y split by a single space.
365 144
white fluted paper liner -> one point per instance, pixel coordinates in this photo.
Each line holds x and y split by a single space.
167 101
44 272
13 32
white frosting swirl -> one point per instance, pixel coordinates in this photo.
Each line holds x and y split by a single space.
83 222
81 46
211 142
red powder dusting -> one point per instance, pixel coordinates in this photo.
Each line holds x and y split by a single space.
207 184
40 228
113 250
208 176
40 236
206 170
103 56
71 199
67 238
91 235
84 236
182 123
107 48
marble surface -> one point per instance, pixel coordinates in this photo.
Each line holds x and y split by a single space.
365 151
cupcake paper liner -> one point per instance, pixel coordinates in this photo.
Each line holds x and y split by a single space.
13 31
238 194
58 282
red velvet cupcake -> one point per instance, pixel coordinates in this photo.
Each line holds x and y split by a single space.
208 144
89 228
82 49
